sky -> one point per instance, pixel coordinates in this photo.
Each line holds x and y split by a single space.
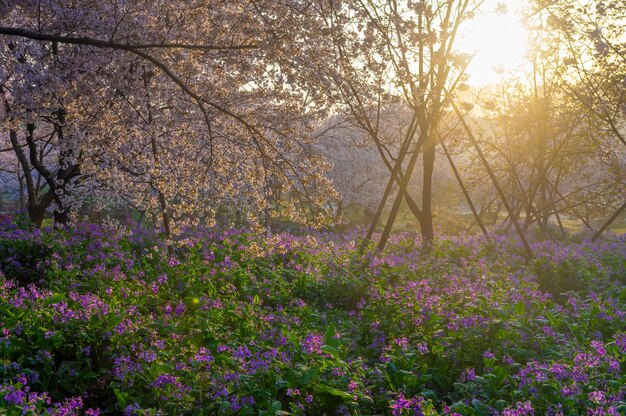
500 40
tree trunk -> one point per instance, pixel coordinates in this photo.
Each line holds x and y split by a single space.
165 215
404 183
37 209
466 194
339 209
20 181
426 220
61 217
485 163
608 222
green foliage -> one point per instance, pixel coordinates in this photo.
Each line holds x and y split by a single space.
23 260
234 324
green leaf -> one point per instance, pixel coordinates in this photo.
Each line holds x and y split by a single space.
554 322
463 409
310 375
391 371
500 373
429 394
322 388
500 404
55 298
5 311
291 337
122 398
480 408
276 406
331 350
292 377
329 337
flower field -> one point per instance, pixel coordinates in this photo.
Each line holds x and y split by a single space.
101 322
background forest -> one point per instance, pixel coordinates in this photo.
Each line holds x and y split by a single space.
258 113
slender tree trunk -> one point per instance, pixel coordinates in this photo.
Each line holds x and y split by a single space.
483 159
20 181
403 186
426 220
558 219
496 214
609 222
165 216
464 190
395 176
431 128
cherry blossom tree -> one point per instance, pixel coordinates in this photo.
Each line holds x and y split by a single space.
171 107
358 172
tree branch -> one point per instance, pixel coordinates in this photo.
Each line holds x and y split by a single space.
29 34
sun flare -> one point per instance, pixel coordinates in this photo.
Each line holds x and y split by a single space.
499 40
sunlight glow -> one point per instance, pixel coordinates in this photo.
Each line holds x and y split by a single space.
500 40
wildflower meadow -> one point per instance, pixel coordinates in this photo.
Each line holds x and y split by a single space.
100 321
